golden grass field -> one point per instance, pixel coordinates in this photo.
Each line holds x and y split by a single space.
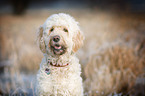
112 58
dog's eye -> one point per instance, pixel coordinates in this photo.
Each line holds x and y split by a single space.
51 29
65 30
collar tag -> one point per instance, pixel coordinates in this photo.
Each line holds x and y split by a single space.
47 71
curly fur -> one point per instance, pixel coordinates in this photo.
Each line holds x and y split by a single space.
62 81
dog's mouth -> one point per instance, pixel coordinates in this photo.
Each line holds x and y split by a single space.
58 49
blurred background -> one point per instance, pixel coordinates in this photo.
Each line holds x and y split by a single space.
113 55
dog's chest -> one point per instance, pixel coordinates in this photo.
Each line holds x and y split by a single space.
59 75
59 80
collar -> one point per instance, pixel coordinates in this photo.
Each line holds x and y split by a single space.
58 65
56 62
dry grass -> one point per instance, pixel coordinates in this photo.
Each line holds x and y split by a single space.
112 58
114 69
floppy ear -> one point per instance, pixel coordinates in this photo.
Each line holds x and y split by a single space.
77 41
40 39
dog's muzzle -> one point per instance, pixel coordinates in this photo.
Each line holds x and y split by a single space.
56 47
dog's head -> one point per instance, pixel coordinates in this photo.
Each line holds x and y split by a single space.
60 35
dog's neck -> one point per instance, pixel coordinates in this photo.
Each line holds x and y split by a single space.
61 61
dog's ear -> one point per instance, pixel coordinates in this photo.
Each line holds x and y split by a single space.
77 41
40 39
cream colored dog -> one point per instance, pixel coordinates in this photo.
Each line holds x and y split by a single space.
59 74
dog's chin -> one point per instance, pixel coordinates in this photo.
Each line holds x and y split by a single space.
58 49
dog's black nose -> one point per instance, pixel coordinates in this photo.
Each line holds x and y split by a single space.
56 38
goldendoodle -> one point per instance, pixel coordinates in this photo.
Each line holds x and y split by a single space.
59 75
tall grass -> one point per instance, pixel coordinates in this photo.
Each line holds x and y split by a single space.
114 69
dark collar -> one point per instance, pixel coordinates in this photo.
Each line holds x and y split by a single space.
58 65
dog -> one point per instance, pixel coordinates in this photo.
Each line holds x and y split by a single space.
59 38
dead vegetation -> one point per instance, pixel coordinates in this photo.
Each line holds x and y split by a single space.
114 69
